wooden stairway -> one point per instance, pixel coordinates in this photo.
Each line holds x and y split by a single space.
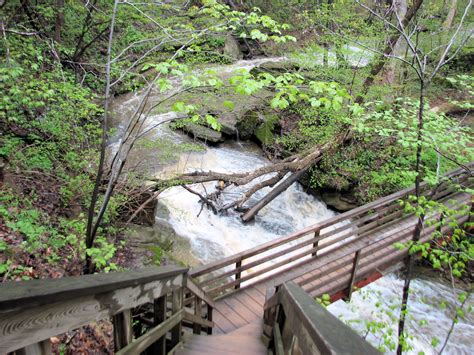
277 280
244 340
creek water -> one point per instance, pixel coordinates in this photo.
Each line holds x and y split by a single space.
212 237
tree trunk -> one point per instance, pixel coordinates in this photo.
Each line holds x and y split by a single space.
59 20
92 225
379 62
401 8
451 14
419 225
250 214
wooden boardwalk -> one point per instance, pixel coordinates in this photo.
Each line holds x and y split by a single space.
255 302
331 257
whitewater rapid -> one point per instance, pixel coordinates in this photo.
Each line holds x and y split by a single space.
212 237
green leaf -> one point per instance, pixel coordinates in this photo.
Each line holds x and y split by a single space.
229 105
179 106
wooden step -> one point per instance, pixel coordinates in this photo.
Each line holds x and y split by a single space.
244 340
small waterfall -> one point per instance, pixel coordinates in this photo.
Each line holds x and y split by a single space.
214 236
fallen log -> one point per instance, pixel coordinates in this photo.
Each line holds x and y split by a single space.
250 214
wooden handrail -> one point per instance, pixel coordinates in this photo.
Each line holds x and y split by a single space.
33 311
150 337
364 220
195 300
33 293
366 266
199 292
348 248
291 311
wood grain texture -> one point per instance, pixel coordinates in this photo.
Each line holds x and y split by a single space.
316 329
19 328
150 337
33 293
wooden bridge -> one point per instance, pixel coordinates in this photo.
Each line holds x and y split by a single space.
331 257
259 299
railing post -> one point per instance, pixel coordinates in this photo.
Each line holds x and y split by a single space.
277 340
176 306
122 329
209 318
198 313
238 274
316 243
40 348
355 265
159 316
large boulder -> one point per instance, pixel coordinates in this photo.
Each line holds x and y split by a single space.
147 243
338 201
232 48
202 132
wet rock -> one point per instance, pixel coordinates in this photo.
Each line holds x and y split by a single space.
232 48
162 211
338 201
242 121
247 124
204 133
145 241
277 67
228 125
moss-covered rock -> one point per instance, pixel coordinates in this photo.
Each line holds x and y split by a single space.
202 132
159 244
276 67
247 124
339 201
232 48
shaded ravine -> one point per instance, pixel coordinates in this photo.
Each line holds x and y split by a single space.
212 237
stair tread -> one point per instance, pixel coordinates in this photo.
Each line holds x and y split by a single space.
244 340
229 342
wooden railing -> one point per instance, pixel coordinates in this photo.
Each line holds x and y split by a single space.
346 232
295 324
198 306
33 311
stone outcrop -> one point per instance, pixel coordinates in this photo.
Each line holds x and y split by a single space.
338 200
232 48
147 242
204 133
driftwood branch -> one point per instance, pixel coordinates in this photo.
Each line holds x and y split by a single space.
272 175
204 200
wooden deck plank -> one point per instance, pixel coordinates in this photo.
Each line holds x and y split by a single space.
241 309
255 295
222 322
229 314
247 301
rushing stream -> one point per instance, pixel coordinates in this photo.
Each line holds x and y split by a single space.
212 237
